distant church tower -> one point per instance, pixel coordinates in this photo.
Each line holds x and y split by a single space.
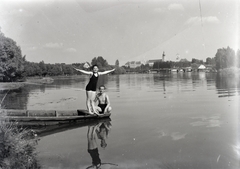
163 56
177 57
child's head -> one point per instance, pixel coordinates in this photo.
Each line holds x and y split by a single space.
95 68
102 88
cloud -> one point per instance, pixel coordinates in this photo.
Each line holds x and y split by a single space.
71 50
176 7
208 19
53 45
158 10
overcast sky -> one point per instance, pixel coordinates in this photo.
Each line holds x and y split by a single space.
70 31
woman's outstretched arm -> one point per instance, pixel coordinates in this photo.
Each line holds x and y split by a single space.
83 71
106 72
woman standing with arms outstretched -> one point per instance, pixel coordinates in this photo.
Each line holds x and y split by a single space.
92 86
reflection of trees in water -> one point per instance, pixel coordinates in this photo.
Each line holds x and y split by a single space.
227 86
18 98
68 81
102 80
160 80
110 80
15 99
117 83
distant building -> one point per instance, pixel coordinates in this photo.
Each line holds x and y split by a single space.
201 68
151 62
188 69
133 64
127 64
177 57
86 65
163 56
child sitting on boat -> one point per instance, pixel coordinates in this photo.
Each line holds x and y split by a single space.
103 101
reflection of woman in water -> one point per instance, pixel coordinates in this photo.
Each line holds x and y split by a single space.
92 146
101 132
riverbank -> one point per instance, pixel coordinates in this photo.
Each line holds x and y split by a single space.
16 85
11 85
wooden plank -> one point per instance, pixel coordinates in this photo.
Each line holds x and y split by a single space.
60 118
48 117
13 112
66 113
42 113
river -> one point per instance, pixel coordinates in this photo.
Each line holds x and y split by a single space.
167 121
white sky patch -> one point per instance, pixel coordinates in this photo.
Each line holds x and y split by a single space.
53 45
71 50
176 7
32 48
158 10
208 19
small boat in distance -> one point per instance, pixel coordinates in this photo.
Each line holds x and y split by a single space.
48 117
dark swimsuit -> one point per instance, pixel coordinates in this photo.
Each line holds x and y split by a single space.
92 84
102 106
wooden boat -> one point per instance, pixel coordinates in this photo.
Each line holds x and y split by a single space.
47 117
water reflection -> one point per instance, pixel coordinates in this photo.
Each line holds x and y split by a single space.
98 131
63 90
15 99
97 135
227 86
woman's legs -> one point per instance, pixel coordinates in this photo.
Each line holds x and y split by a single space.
88 101
91 95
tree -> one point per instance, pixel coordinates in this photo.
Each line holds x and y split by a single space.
224 58
160 64
210 61
43 68
11 60
197 61
117 63
238 58
101 62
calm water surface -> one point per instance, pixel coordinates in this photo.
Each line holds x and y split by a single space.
182 120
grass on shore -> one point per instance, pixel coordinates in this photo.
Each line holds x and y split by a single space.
17 145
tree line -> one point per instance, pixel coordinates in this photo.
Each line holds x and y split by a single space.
224 58
15 67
